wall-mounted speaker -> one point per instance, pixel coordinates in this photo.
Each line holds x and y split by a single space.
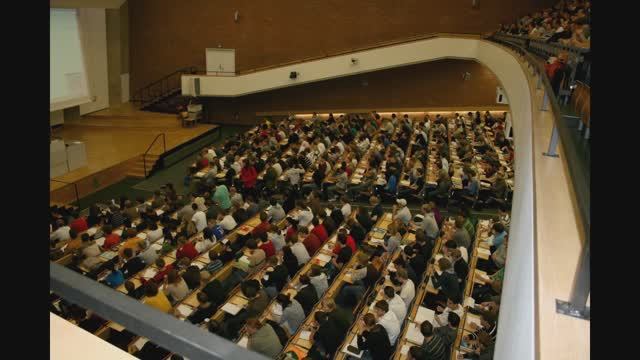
293 75
196 86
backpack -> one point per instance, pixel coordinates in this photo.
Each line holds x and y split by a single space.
215 292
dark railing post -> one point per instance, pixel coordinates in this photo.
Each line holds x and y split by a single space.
577 304
164 143
75 187
144 164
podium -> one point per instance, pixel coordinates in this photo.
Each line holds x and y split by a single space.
57 159
66 156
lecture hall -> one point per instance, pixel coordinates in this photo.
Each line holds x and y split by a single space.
318 180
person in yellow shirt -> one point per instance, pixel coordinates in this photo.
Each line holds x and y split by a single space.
131 243
75 242
156 298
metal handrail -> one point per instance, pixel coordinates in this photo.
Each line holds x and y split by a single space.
180 337
576 306
139 95
75 187
164 149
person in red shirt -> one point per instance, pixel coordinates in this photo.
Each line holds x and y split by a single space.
186 249
164 270
292 230
266 245
342 233
248 175
110 239
263 226
79 224
319 230
310 242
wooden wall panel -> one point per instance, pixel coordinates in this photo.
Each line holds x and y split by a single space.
436 84
170 34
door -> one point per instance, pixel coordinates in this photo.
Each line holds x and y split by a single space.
221 61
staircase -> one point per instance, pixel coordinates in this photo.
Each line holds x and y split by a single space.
136 167
163 95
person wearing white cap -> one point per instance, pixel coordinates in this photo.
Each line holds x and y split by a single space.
403 214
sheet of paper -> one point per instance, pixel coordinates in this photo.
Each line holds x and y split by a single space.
142 235
185 310
118 232
484 251
244 342
305 335
100 241
424 314
92 231
149 273
404 350
469 301
116 326
473 319
324 258
159 212
156 246
414 335
276 309
231 308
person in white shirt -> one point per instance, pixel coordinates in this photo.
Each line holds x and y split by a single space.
275 212
278 168
203 244
320 147
154 233
235 196
445 164
276 238
237 165
340 147
408 288
318 280
387 319
293 174
346 207
226 221
300 251
61 233
199 218
403 214
396 304
450 245
305 215
453 305
429 224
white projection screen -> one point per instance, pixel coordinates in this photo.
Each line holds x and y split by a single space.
68 84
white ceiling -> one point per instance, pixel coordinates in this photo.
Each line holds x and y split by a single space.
77 4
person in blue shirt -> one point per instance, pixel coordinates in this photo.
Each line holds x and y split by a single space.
473 185
392 183
497 237
115 278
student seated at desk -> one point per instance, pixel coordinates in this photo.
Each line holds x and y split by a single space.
483 348
373 338
115 278
292 313
307 295
328 337
205 309
449 332
299 250
61 233
406 285
387 319
396 304
176 288
433 346
310 241
186 249
318 279
89 247
133 264
226 221
446 284
356 231
452 306
416 260
132 291
75 242
497 259
156 298
262 339
363 277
